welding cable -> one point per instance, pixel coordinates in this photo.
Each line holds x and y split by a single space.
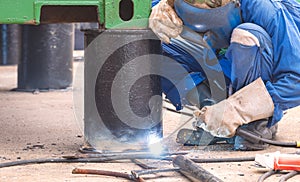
266 175
245 134
288 176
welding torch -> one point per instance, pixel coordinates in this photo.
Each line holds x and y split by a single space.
246 134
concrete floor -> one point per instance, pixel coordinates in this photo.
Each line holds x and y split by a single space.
43 125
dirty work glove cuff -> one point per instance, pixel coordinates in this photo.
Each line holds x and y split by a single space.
250 103
164 21
208 4
171 3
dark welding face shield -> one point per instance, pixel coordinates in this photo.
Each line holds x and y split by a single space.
216 24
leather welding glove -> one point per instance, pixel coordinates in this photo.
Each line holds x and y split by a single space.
250 103
164 21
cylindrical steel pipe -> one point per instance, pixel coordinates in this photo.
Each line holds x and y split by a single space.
46 59
120 86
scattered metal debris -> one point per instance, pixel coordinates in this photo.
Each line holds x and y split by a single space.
107 173
142 164
138 173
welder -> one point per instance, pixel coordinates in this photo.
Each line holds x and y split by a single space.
257 43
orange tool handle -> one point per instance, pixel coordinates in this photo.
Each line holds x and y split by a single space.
287 162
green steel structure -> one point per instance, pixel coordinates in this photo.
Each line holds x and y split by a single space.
109 13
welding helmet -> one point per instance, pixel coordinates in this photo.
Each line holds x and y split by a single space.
216 22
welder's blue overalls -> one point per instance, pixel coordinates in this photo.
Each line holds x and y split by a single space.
276 24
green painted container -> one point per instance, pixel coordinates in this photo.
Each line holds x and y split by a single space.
109 13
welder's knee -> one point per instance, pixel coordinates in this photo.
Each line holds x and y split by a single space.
251 53
244 37
250 34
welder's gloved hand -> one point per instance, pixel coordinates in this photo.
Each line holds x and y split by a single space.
250 103
164 21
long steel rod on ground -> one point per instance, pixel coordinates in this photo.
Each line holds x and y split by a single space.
108 159
128 155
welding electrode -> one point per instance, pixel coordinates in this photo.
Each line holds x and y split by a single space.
252 137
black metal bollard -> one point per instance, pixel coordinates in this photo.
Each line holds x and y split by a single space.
10 44
79 34
46 59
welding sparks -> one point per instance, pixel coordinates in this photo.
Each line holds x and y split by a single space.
154 144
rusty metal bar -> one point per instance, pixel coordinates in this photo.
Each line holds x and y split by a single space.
193 171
